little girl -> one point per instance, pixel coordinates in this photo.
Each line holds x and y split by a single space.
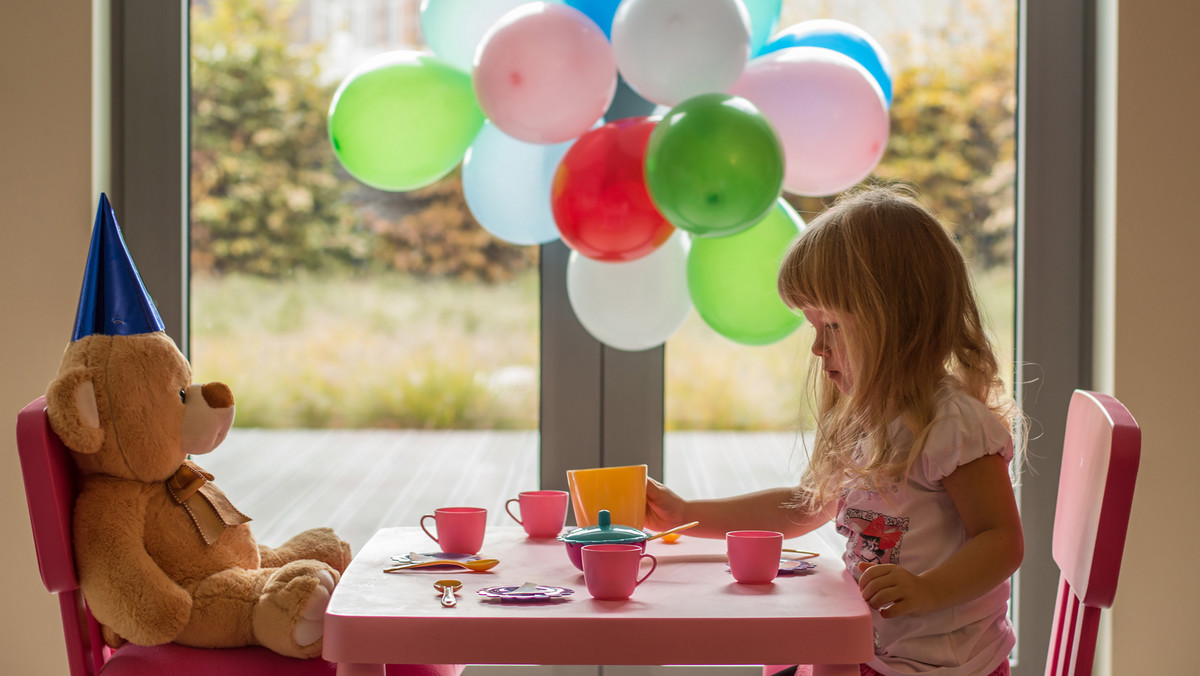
913 438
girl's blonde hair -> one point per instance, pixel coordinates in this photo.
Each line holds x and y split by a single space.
883 258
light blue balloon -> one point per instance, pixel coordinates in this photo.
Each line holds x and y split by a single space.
842 37
600 11
506 184
764 15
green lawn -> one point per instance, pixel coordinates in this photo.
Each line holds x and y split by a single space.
393 352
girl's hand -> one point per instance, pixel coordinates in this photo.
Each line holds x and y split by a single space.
664 509
894 591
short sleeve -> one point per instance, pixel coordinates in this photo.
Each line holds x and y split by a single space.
963 430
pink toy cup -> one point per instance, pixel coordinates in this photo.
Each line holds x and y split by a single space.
459 529
611 571
754 555
542 513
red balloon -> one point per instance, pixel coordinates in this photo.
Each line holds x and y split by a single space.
599 197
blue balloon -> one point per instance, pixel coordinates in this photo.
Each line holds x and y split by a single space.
842 37
764 15
600 11
506 183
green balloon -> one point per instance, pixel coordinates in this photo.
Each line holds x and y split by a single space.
714 165
732 279
403 120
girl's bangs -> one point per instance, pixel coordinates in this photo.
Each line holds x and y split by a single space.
815 273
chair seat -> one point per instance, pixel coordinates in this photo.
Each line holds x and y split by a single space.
178 660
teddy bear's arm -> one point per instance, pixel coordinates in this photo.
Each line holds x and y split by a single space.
125 589
320 544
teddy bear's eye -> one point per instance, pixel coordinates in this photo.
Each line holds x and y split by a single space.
183 396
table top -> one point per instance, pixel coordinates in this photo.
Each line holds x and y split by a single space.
689 611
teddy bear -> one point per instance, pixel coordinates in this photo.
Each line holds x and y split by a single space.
161 553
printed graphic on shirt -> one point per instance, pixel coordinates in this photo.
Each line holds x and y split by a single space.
873 537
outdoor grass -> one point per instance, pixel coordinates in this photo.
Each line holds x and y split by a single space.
394 352
386 352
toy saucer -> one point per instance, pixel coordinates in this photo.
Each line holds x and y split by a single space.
525 592
790 566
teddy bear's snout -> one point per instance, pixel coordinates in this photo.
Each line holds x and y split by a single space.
217 395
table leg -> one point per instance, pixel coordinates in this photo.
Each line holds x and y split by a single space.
351 669
820 670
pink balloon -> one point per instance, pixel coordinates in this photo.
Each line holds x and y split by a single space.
829 112
544 73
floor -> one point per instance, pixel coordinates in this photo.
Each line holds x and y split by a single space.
357 481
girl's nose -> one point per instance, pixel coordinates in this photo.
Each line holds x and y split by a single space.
818 345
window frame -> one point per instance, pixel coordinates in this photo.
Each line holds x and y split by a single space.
1055 233
602 406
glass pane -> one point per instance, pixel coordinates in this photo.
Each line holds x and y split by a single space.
952 135
375 341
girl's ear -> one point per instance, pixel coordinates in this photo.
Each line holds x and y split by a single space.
74 415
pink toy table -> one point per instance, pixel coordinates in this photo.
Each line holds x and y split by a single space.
690 611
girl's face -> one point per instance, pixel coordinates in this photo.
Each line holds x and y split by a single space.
830 345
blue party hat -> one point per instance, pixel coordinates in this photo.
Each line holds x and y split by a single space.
113 301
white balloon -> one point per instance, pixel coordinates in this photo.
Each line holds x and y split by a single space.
453 28
634 305
671 50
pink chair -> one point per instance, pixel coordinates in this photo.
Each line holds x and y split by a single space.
1101 450
49 476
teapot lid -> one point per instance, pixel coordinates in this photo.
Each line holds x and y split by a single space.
605 531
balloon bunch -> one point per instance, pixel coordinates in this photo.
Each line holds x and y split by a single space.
615 125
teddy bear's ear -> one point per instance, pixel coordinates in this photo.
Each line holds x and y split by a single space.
71 406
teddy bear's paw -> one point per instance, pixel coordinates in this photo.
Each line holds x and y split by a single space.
311 626
111 638
289 614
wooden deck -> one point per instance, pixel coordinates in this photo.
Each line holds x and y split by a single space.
357 481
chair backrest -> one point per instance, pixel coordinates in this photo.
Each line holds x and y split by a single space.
1101 450
49 476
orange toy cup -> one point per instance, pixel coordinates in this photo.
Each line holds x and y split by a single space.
620 490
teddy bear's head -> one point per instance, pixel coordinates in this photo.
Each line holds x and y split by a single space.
123 399
128 408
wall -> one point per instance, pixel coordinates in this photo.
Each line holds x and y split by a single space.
46 210
47 203
1156 319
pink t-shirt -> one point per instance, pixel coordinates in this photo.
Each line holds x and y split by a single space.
916 526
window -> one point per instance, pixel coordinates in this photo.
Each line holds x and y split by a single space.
1053 179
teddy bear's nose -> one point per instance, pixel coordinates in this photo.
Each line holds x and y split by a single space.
217 395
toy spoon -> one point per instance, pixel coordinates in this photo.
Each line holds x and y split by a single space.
448 587
476 564
808 555
672 531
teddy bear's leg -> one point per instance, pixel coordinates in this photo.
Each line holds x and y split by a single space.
321 544
223 608
289 616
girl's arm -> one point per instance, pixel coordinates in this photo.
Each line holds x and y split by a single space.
763 510
983 495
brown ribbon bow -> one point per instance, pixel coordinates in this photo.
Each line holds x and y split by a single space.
211 512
